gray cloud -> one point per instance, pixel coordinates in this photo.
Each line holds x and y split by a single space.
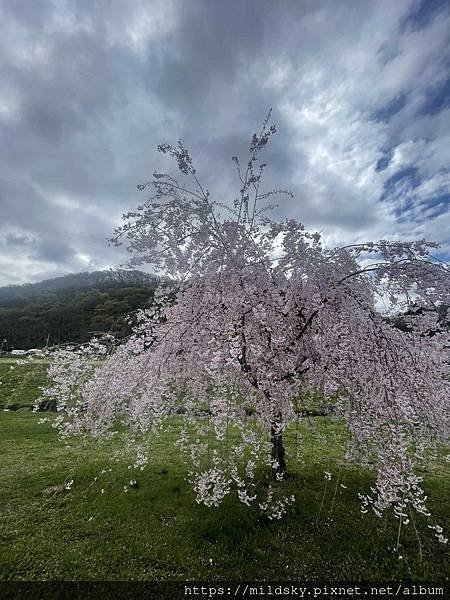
87 90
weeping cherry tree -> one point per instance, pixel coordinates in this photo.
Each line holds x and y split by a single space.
253 315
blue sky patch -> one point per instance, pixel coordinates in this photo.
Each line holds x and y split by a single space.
391 108
423 13
383 162
438 98
409 173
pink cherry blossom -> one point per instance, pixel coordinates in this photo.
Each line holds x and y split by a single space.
252 313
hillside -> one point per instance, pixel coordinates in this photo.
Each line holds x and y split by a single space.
71 308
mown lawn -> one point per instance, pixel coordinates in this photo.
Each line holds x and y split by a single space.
157 531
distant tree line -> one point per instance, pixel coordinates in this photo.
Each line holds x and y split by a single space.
75 307
72 308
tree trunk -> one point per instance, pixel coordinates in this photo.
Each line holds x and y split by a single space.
278 452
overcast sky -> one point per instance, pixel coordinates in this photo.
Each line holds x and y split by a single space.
359 90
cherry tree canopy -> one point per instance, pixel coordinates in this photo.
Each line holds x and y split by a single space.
260 314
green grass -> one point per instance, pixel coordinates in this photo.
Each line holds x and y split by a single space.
158 532
20 385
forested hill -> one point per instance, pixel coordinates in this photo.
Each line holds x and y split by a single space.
71 308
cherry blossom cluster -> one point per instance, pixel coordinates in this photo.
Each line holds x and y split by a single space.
255 312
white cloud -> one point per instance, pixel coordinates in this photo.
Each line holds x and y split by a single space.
89 89
330 103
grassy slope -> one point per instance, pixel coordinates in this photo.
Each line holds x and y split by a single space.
19 385
157 531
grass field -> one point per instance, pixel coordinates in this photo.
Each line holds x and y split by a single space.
157 531
20 385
